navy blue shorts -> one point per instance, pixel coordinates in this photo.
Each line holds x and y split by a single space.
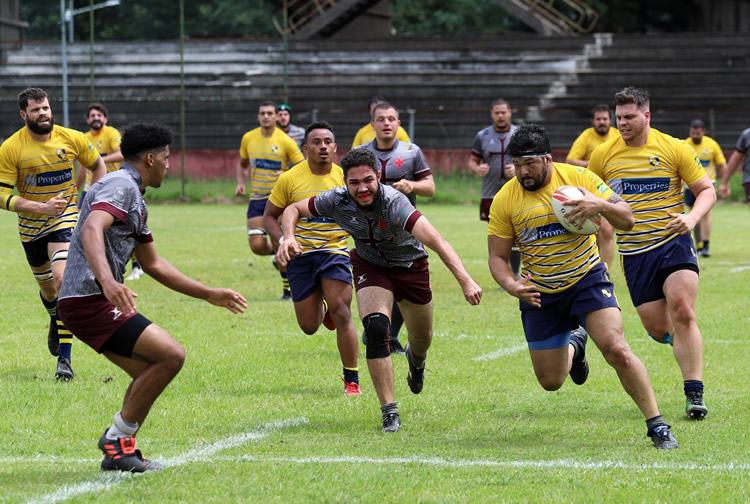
689 198
561 312
36 251
645 273
256 207
304 272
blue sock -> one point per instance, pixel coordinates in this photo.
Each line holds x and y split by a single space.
693 386
351 375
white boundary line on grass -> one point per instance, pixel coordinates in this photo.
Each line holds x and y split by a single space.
501 353
197 454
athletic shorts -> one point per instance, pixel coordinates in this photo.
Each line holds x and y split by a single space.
304 272
561 312
96 322
746 185
412 283
690 197
36 250
645 273
256 207
484 209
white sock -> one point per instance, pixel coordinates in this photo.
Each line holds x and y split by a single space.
121 428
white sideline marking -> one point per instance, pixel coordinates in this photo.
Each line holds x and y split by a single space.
441 462
739 269
500 353
198 454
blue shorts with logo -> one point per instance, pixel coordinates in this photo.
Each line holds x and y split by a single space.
36 250
304 272
255 208
561 312
645 273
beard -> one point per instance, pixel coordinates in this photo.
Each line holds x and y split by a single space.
602 130
96 125
41 130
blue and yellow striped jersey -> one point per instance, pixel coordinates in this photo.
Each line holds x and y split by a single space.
315 234
42 170
555 257
650 179
268 158
710 155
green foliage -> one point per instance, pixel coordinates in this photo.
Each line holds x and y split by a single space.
459 17
481 431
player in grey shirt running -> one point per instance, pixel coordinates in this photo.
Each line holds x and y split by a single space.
100 310
389 262
739 158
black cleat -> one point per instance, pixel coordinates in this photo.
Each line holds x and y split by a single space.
579 371
662 437
694 406
120 455
396 347
391 422
286 296
64 371
53 339
415 377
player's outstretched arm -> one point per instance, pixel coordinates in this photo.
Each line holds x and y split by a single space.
499 253
289 248
98 170
427 234
614 209
53 206
169 276
424 187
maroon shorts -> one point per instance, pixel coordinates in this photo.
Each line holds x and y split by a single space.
96 321
412 284
484 209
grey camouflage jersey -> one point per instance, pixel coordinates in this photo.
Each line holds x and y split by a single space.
489 145
117 193
743 145
382 236
297 134
404 160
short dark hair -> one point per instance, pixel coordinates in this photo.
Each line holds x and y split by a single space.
697 123
141 137
529 140
600 108
267 103
383 105
32 93
318 125
359 157
375 100
633 95
499 101
96 106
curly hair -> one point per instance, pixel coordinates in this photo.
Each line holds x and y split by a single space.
318 125
142 137
359 157
529 140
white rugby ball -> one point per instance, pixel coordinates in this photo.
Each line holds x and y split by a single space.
583 226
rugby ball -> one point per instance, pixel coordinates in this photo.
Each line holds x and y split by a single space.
569 193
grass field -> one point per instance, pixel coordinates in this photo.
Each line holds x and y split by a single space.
258 413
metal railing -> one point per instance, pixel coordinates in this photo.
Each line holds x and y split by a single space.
574 15
298 13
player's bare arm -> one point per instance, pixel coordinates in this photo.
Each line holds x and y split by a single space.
428 235
614 209
169 276
271 215
98 170
53 206
499 254
734 164
242 167
92 238
705 198
423 187
290 248
477 166
115 157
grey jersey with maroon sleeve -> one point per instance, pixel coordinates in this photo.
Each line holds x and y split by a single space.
382 233
117 193
404 160
743 145
489 145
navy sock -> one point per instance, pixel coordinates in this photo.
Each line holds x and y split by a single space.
693 386
351 375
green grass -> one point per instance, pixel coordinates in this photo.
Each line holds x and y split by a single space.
481 431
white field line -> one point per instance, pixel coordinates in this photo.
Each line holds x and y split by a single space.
501 353
521 464
198 454
739 269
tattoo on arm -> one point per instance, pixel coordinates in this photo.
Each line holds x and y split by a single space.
614 199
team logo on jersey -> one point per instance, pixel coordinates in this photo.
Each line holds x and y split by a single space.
399 162
382 224
275 149
654 160
62 153
119 196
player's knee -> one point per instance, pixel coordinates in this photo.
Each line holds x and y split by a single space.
683 314
550 381
340 313
618 355
377 326
173 357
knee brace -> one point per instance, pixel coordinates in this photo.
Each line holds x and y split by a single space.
43 276
256 231
377 329
60 255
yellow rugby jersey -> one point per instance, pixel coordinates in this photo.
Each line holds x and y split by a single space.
367 134
555 257
41 170
650 179
315 234
589 140
268 158
106 142
710 155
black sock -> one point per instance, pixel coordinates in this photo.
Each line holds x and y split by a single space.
693 386
654 422
388 408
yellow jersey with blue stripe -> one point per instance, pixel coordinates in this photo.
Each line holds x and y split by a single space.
268 158
710 155
650 179
314 234
589 140
42 170
106 142
555 258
